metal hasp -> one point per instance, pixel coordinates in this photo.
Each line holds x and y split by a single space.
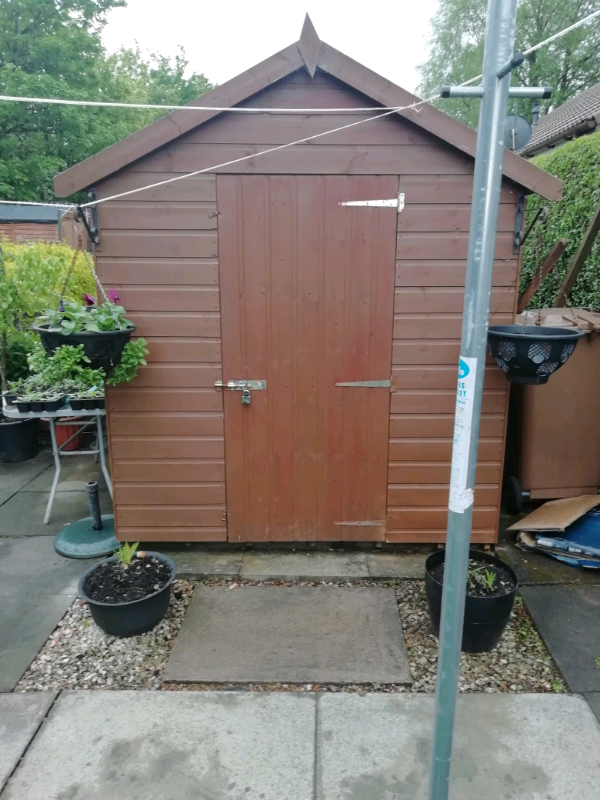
487 180
240 386
395 202
367 384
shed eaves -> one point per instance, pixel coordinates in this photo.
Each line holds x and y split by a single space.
37 214
310 53
580 114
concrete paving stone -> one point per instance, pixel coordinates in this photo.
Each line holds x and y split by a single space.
20 717
297 634
14 477
514 747
593 699
26 621
304 566
75 472
193 564
103 745
567 619
396 565
31 564
23 514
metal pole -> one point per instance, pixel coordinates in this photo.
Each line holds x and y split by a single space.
482 240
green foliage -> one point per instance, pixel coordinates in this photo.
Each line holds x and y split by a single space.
72 317
134 354
126 552
63 372
17 349
569 64
81 281
577 163
53 48
490 577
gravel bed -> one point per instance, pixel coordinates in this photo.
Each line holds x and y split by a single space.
78 655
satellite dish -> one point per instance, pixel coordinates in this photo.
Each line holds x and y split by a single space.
517 132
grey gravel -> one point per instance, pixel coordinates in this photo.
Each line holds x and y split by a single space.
79 655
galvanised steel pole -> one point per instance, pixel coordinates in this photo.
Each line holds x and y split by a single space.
487 181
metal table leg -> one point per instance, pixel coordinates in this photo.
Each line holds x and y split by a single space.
101 451
56 454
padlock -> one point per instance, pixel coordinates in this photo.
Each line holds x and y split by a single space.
246 397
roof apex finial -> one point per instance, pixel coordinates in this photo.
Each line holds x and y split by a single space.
309 45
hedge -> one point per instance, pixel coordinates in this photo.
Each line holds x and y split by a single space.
577 163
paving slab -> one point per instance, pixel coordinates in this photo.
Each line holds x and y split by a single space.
396 565
23 514
124 745
26 621
297 634
32 565
197 564
20 717
14 477
593 699
567 619
514 747
75 472
303 566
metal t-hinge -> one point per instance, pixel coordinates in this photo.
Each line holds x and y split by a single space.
395 202
385 384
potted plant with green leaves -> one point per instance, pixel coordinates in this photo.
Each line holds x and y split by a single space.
129 592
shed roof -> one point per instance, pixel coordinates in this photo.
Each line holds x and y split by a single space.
578 116
311 53
44 215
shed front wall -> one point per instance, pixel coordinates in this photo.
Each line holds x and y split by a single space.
160 250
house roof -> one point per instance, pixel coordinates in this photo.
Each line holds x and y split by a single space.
579 115
39 214
311 53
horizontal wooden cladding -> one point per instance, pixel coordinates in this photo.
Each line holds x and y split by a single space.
457 217
183 324
452 246
433 495
170 516
131 215
187 376
157 244
158 494
134 471
164 271
147 534
439 449
172 424
200 188
448 189
435 518
422 472
184 350
437 377
169 299
418 426
428 536
132 399
437 326
430 351
449 300
311 159
449 273
269 129
168 447
444 402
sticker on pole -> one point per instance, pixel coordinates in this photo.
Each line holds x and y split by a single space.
461 497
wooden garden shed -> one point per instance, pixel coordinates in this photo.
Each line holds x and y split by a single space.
263 272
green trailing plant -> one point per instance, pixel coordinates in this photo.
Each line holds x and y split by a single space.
72 317
134 355
577 164
126 552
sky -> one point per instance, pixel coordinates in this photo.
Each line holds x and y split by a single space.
225 38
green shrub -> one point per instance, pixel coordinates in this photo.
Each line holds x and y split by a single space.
577 164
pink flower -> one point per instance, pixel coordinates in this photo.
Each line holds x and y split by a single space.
113 296
89 300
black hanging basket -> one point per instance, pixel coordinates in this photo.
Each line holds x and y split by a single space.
531 353
104 349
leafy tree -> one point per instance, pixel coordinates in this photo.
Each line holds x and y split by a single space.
53 48
568 65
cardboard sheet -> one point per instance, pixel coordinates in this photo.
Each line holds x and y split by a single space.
557 515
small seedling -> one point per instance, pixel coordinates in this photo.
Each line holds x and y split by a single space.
490 577
126 552
598 663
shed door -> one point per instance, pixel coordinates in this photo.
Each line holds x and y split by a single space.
307 296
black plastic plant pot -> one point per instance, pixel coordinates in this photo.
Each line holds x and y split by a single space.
104 349
23 406
134 617
531 353
54 405
485 617
18 440
76 403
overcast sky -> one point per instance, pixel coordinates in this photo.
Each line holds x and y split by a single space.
224 38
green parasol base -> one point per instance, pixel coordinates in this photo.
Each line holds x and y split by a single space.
80 540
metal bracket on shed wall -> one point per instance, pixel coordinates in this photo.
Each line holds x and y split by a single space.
92 230
518 222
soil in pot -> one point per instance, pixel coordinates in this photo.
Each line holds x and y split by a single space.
112 582
491 588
